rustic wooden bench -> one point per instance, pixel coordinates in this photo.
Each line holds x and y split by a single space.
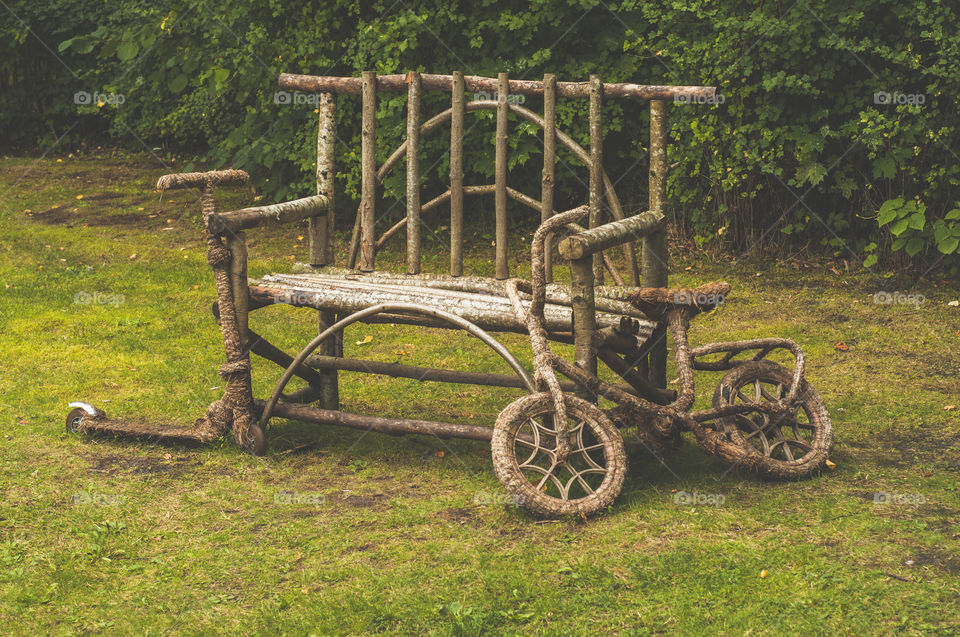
586 313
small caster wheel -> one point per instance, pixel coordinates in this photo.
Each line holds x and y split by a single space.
258 441
73 420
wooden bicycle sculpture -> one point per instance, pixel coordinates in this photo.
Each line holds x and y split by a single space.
554 449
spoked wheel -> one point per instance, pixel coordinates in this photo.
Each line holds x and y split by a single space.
73 420
793 444
524 457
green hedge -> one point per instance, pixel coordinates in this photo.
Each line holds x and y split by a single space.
850 105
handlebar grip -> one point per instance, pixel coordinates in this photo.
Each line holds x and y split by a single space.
199 180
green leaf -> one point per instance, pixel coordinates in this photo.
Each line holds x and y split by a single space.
917 221
949 246
898 244
870 261
888 211
127 50
953 214
914 246
220 75
178 83
65 45
898 227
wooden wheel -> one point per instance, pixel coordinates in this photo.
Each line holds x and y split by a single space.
524 457
793 444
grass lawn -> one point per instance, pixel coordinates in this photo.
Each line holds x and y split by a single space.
106 296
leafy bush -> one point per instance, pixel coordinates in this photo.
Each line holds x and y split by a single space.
828 111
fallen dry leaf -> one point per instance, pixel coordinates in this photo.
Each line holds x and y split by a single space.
830 465
840 345
953 303
949 407
133 256
167 456
366 339
439 454
79 196
763 574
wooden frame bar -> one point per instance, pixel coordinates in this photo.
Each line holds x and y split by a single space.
655 270
478 84
596 240
321 227
368 170
596 166
285 212
413 173
456 174
549 164
500 177
584 317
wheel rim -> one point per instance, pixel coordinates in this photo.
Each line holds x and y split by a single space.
580 475
789 436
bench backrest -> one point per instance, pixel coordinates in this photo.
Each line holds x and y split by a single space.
365 243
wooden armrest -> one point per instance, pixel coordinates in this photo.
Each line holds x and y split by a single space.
286 212
611 234
199 180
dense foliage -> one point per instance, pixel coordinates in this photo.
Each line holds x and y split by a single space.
836 126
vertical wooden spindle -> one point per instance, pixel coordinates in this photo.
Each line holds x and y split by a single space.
321 228
368 171
655 245
582 302
321 236
500 169
456 175
413 173
549 163
596 166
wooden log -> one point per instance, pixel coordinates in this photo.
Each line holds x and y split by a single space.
456 174
556 293
486 311
584 317
549 163
500 177
413 173
321 227
368 172
477 84
236 244
394 426
596 167
329 388
597 239
655 245
289 211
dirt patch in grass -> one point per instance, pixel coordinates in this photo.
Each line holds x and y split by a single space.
101 213
114 464
906 449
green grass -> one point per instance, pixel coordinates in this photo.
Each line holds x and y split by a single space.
360 533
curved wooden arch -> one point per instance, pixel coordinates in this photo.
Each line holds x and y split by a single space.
432 124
